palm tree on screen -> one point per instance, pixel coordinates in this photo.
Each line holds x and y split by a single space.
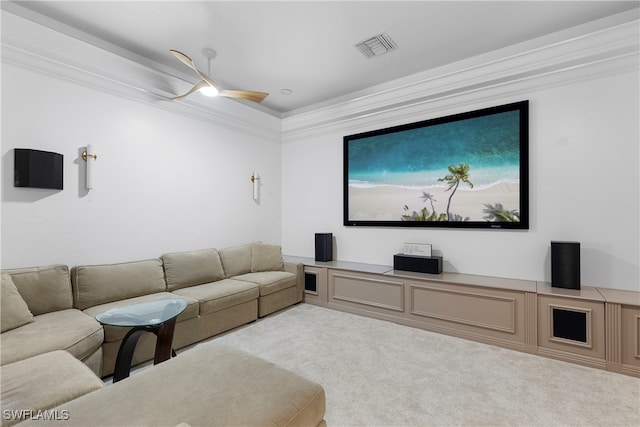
428 197
457 175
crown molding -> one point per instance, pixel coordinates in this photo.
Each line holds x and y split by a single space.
604 47
507 73
36 47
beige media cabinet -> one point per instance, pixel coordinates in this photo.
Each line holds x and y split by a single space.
596 327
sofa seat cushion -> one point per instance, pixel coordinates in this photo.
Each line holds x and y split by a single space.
219 295
43 382
116 333
233 389
270 281
70 330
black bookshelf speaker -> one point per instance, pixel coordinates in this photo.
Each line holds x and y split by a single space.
324 246
38 169
565 265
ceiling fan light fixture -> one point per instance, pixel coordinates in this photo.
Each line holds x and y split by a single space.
209 91
208 86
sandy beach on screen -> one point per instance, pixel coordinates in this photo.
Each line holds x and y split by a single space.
387 202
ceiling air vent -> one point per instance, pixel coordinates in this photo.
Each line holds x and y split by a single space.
377 45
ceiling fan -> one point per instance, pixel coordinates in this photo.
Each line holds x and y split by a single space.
208 86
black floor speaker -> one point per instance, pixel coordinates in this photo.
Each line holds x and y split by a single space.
324 246
565 265
418 264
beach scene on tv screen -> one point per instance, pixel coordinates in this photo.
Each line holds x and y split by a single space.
466 170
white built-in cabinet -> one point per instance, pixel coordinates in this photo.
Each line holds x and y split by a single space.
596 327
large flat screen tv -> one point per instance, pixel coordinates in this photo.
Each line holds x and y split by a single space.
467 170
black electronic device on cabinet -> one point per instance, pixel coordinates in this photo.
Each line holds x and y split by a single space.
418 264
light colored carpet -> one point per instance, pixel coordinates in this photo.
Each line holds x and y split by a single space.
377 373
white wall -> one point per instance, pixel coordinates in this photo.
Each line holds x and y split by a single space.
177 178
163 181
584 160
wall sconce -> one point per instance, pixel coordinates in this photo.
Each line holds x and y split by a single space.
89 156
255 178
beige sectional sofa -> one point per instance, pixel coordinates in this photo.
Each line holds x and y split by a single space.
223 289
46 309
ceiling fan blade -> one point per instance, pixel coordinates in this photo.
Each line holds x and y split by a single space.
193 89
185 59
244 94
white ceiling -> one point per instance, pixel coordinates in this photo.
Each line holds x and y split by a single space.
308 47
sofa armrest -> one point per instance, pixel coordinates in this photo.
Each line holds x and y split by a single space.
297 269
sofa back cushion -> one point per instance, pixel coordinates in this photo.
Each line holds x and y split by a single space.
265 257
44 289
184 269
13 310
236 260
100 284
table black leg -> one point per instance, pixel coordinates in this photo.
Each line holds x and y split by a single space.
164 343
164 348
125 354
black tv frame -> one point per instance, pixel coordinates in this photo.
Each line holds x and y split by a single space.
515 131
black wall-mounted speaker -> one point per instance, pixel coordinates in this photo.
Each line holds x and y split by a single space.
37 169
418 264
324 247
565 265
